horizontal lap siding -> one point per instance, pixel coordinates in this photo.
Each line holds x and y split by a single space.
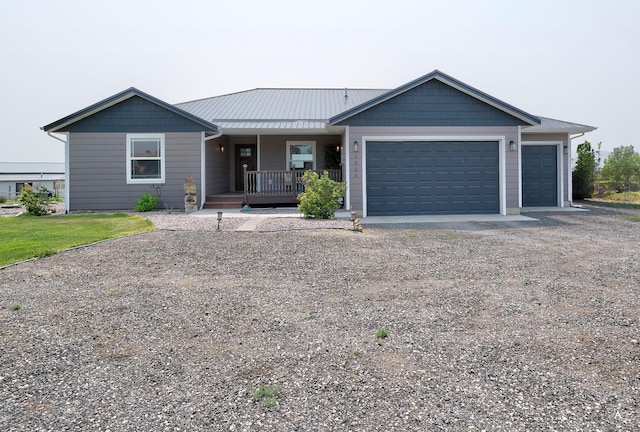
97 171
217 167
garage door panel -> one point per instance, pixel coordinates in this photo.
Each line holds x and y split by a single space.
441 177
539 175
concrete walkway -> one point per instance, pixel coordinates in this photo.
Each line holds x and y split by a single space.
289 212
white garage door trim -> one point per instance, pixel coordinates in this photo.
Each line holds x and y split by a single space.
560 169
501 139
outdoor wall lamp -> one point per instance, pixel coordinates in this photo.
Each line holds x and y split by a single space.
221 147
355 145
512 145
219 217
566 149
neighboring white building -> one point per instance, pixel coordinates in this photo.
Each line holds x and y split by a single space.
16 175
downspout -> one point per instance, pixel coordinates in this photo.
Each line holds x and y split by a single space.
203 166
66 168
570 173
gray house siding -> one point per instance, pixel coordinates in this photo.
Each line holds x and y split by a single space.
134 115
433 104
217 165
357 165
273 149
97 171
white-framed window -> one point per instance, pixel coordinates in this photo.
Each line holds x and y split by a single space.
301 155
145 158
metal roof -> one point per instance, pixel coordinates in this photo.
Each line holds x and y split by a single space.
274 108
60 125
549 125
32 168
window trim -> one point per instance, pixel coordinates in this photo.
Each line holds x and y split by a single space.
161 158
313 150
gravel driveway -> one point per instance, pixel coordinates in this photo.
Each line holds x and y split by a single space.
530 326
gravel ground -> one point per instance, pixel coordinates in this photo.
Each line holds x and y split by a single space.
521 326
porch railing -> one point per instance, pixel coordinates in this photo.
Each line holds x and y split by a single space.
277 186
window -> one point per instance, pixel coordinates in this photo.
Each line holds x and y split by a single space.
301 155
145 158
20 186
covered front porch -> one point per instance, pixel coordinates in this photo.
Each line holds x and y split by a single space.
266 170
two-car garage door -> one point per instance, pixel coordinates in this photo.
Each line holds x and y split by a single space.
432 177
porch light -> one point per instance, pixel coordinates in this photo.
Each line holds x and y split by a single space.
221 147
219 217
355 145
566 149
512 145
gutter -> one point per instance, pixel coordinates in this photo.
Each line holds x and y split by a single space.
203 166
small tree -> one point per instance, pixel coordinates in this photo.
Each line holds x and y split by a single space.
583 176
621 168
36 201
321 196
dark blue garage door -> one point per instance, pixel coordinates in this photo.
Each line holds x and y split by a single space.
539 175
429 178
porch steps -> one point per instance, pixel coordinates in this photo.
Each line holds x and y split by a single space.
224 201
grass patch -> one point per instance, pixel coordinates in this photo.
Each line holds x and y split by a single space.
382 333
632 218
24 237
267 394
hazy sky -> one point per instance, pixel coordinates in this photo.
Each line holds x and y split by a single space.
571 60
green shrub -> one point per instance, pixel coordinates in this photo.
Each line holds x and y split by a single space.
36 201
3 199
321 196
147 202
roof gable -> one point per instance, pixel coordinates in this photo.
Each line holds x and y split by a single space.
130 111
435 99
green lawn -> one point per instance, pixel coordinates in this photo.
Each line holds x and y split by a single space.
25 237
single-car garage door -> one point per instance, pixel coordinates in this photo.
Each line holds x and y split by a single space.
539 175
432 177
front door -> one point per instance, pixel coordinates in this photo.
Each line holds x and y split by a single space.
245 154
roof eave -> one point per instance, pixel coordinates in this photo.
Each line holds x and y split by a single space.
571 130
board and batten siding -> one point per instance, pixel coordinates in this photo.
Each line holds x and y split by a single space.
356 159
98 175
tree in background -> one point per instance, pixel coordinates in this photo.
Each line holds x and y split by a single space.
584 173
621 168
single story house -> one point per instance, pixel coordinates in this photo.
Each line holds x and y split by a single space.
16 175
434 145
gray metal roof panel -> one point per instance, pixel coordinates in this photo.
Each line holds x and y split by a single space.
549 125
277 104
32 167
